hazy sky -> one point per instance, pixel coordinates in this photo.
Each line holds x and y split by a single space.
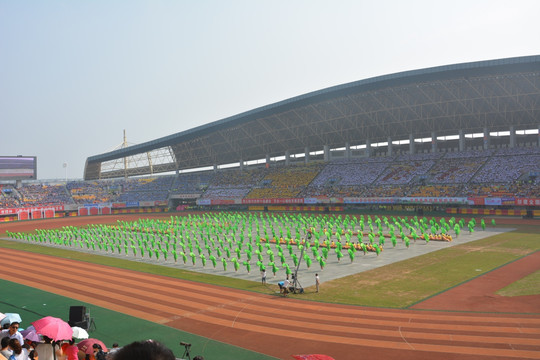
74 74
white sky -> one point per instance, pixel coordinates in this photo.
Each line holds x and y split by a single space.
74 74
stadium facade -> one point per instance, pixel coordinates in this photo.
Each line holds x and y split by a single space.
477 105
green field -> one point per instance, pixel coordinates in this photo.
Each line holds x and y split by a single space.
402 284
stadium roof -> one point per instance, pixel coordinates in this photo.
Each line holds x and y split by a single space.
494 94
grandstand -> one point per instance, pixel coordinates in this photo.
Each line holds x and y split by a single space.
496 179
454 137
455 108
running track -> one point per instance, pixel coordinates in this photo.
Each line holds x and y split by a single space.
283 326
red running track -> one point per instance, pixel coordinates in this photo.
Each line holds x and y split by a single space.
283 326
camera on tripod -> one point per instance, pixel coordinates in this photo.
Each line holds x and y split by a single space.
187 346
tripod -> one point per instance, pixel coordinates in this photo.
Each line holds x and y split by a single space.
296 283
186 354
90 324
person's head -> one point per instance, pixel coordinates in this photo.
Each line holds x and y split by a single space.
47 339
13 327
316 274
15 345
96 347
33 355
198 357
144 350
5 342
115 345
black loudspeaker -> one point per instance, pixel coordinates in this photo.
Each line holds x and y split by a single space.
77 316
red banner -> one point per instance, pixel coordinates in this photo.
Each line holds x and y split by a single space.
273 201
146 203
527 202
30 209
476 201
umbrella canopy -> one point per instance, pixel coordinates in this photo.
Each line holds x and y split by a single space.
313 357
79 332
30 334
10 317
86 345
55 328
2 316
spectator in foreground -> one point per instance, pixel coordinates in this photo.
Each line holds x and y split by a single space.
6 351
48 350
19 353
99 354
113 350
33 355
12 332
70 350
144 350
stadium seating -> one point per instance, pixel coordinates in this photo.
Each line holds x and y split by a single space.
496 172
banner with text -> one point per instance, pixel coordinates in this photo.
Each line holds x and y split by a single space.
273 201
13 211
528 202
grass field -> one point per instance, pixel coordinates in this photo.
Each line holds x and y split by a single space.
402 284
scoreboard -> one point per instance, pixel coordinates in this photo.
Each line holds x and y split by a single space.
18 167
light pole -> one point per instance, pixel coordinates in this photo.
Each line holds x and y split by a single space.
65 165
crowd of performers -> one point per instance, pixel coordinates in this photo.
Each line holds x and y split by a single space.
246 239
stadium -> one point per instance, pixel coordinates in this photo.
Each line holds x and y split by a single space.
427 147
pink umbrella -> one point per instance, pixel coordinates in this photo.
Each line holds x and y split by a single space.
313 357
55 328
86 345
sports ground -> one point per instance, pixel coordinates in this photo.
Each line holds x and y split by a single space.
469 320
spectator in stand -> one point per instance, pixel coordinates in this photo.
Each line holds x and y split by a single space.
44 195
